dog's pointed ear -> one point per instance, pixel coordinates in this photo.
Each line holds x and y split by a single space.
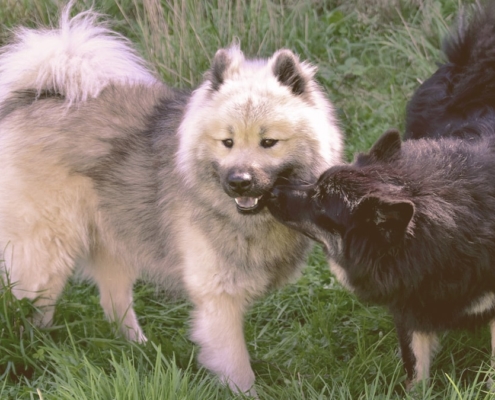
385 149
225 63
390 217
290 71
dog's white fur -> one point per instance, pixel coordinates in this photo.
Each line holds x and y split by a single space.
68 60
93 89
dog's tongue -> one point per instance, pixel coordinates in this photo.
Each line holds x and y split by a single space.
246 202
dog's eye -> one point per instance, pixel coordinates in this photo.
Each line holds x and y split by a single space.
266 143
228 143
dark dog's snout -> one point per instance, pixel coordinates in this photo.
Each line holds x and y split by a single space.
290 192
286 202
240 181
278 197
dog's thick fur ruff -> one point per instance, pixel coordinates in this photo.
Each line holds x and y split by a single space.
412 226
107 169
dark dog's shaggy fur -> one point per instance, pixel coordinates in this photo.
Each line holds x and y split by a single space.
411 225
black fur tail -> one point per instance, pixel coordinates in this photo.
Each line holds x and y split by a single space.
472 51
474 40
459 98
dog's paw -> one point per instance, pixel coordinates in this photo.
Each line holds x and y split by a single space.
135 335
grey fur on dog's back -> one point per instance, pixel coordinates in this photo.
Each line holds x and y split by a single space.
105 167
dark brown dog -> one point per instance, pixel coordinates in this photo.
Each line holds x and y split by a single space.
410 226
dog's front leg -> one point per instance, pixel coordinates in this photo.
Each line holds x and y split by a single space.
408 359
491 381
424 346
417 350
218 329
220 297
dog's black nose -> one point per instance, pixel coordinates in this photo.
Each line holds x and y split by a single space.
240 182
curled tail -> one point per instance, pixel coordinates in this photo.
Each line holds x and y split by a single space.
473 37
77 60
459 98
471 51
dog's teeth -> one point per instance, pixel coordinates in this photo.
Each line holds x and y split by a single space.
247 202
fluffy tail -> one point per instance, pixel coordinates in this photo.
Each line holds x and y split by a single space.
471 50
459 98
76 60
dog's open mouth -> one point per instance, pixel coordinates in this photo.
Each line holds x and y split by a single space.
248 205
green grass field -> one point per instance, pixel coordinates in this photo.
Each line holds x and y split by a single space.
313 339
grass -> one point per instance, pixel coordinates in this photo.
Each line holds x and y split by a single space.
312 339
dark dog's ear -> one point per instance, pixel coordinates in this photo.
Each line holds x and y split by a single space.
385 149
391 217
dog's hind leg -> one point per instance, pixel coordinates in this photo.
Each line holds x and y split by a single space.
38 268
115 282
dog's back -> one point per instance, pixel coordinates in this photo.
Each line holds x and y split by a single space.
458 100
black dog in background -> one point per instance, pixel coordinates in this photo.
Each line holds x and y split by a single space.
411 225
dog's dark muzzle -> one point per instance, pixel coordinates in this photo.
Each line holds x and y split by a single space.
289 203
